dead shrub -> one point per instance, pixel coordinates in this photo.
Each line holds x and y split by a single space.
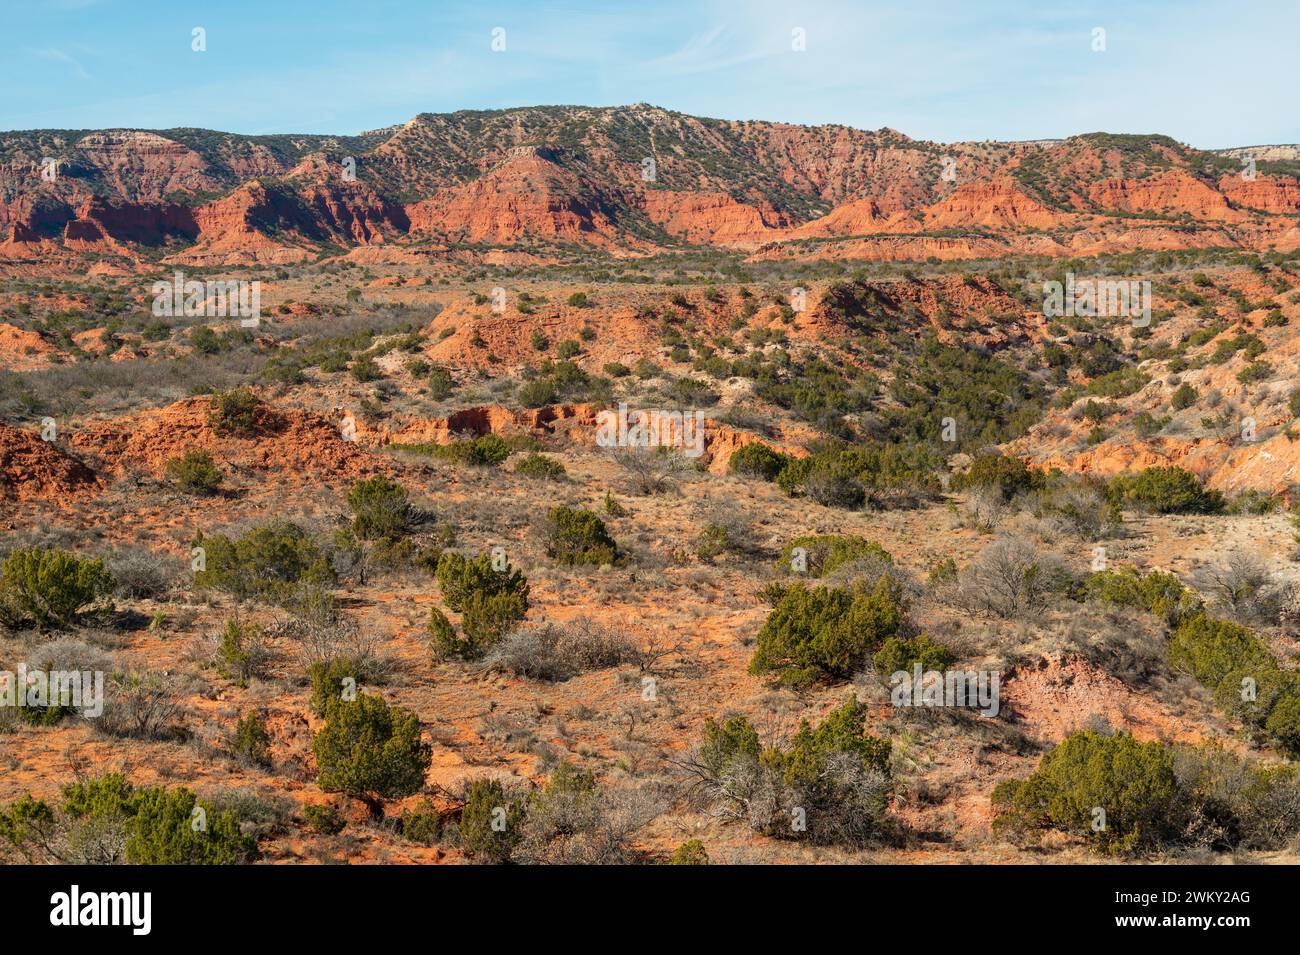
141 574
650 470
141 706
1010 578
557 652
1242 585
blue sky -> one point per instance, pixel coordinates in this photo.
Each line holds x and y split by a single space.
1211 74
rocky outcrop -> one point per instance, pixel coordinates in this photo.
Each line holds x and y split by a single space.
1169 193
712 218
1276 195
143 166
999 205
294 444
32 469
526 196
23 350
99 222
234 230
858 217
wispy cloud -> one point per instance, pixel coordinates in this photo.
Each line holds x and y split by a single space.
62 56
713 51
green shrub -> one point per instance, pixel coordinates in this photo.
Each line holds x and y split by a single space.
1211 649
163 831
902 654
490 825
108 821
1166 490
380 509
540 466
483 451
1148 425
536 393
756 459
1255 371
1272 706
235 413
690 852
1184 396
365 368
843 476
441 384
824 633
330 678
575 536
268 562
422 824
324 819
1008 475
252 740
826 552
1254 502
195 473
50 588
443 641
1283 722
488 617
240 652
714 540
1134 783
459 578
370 751
1155 592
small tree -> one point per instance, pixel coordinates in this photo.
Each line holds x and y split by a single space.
235 413
370 751
1009 578
824 633
330 679
758 460
252 740
490 825
380 509
195 473
575 536
1088 774
459 578
49 587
